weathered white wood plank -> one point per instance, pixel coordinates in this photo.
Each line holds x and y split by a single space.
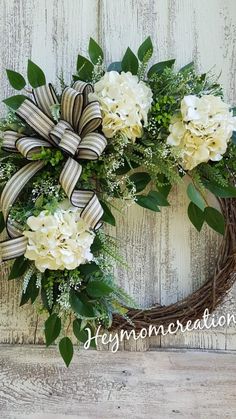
34 384
61 30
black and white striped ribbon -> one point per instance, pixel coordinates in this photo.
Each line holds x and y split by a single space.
16 246
75 134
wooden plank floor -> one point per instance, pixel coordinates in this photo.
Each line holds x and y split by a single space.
34 384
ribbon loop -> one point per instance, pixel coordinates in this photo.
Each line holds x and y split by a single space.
9 141
34 117
91 146
28 146
91 119
45 97
71 106
84 88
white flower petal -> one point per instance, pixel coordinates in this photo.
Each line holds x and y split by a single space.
208 125
125 102
59 241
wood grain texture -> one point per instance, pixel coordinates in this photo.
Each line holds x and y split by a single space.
167 258
34 384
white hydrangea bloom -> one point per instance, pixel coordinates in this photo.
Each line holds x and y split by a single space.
202 131
125 102
58 241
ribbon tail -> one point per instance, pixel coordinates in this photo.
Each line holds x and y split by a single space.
12 190
11 249
16 245
92 212
87 200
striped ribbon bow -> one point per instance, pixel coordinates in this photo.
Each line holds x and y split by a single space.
75 135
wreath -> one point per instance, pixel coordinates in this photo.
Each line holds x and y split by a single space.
124 132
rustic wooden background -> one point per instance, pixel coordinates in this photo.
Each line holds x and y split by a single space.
167 258
150 385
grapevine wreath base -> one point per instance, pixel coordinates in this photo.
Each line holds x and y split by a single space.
209 295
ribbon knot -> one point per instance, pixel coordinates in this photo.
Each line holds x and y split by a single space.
75 134
65 137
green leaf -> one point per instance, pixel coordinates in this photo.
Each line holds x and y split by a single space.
233 138
39 201
158 198
145 47
84 68
77 327
16 80
122 170
95 51
14 102
82 335
35 75
79 307
116 66
128 165
88 268
19 267
195 196
215 219
108 217
152 200
96 245
187 67
66 350
165 189
165 186
34 292
141 180
52 328
160 67
44 299
2 222
31 292
234 110
129 62
221 191
196 216
97 289
146 202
